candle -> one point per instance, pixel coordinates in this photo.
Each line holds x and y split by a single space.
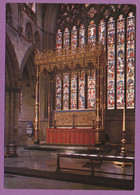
97 119
124 118
54 115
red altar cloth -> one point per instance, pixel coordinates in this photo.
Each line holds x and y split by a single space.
81 137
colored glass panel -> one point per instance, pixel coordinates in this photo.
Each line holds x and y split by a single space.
92 12
59 39
74 38
92 90
102 32
66 38
58 91
73 91
66 91
111 65
130 82
82 38
120 61
82 90
92 33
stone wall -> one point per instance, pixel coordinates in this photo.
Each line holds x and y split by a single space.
114 123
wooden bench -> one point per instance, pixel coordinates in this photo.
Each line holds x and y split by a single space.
93 158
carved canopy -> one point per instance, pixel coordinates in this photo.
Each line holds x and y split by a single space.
62 60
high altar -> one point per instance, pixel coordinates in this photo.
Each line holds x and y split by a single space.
72 126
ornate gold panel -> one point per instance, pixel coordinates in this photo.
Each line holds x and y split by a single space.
84 118
51 59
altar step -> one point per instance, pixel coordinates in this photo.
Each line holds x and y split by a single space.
58 148
107 149
125 184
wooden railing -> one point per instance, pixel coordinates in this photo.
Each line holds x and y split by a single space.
95 157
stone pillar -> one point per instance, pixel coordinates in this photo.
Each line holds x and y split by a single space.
37 109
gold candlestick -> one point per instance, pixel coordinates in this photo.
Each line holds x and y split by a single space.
124 118
123 148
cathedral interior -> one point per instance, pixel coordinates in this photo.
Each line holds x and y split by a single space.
70 95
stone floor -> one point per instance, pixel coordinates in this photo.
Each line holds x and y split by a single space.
23 182
46 160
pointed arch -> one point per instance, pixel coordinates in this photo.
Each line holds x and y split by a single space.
12 66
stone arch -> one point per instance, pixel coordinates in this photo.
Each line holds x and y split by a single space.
12 63
26 57
12 90
28 79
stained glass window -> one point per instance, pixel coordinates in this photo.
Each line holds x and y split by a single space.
82 38
92 33
59 39
111 65
66 91
91 90
74 38
66 38
82 90
73 91
102 32
130 61
120 49
58 91
120 61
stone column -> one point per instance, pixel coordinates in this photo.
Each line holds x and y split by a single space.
37 109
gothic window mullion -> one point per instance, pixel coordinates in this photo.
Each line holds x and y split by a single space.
134 60
86 34
54 92
106 22
86 90
70 91
62 92
77 91
97 26
78 36
115 92
63 39
70 37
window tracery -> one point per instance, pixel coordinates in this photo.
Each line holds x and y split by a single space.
114 23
